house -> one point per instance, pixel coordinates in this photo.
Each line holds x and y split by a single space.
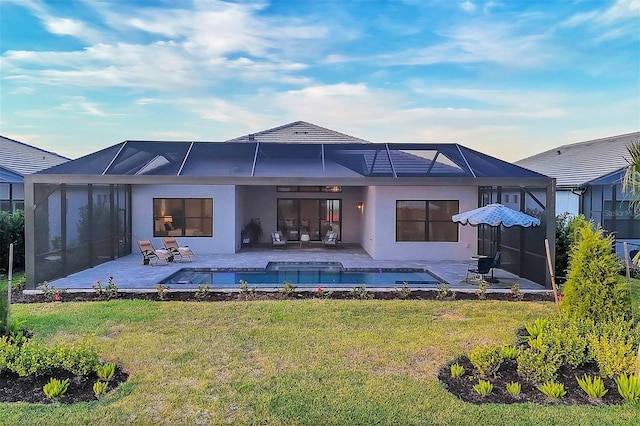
395 200
589 181
16 161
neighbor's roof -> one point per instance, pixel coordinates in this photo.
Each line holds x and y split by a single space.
286 160
23 159
299 132
577 164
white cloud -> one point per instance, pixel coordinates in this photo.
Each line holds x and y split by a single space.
468 6
477 42
621 14
80 105
210 44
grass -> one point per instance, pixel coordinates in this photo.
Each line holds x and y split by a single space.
307 362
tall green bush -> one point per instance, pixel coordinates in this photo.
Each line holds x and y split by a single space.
12 231
594 287
566 235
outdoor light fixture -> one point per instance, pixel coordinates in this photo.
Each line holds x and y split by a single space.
360 205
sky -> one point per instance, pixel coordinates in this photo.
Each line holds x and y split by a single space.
508 78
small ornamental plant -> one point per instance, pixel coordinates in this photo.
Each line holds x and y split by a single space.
535 328
592 386
404 292
360 292
202 291
509 352
245 290
483 388
457 370
100 388
56 388
163 291
106 371
287 288
516 293
110 291
514 389
445 293
52 293
323 294
552 389
481 291
628 387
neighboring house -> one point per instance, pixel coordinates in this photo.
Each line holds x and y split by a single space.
394 200
16 161
589 181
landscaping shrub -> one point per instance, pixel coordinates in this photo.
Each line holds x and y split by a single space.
539 365
613 347
568 338
594 288
12 231
566 229
486 359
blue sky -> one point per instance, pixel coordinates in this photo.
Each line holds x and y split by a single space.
508 78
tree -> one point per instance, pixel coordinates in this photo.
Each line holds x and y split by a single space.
595 289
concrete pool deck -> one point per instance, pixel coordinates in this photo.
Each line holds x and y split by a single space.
129 274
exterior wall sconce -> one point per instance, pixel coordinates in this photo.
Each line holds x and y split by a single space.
360 205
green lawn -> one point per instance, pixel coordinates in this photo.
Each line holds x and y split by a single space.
315 362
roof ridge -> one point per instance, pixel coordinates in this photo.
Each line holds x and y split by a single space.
574 144
34 147
250 136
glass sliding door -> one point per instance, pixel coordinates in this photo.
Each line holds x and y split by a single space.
308 216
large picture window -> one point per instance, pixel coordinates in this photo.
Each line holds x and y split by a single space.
183 217
619 217
424 220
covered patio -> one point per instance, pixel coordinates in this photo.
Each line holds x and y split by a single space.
129 274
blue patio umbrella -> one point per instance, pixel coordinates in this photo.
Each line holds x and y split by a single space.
495 215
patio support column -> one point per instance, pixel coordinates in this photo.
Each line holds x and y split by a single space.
551 225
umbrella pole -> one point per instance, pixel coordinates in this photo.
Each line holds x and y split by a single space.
553 278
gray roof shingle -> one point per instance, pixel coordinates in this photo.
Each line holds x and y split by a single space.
299 132
24 159
576 164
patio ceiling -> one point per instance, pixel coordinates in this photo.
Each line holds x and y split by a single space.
285 160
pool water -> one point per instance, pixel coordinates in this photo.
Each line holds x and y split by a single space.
327 275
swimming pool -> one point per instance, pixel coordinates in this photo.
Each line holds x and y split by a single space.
327 275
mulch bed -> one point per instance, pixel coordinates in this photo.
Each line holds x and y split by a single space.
220 296
14 388
462 387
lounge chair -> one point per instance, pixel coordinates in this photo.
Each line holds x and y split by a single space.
482 268
330 239
182 252
278 239
151 256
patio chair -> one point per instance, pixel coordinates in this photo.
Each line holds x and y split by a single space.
183 252
495 264
482 268
330 239
151 256
278 240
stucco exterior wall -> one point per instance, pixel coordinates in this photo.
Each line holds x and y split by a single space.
379 236
224 215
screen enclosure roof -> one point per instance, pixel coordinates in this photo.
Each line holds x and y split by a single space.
286 160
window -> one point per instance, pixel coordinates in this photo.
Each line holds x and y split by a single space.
183 217
618 217
422 220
